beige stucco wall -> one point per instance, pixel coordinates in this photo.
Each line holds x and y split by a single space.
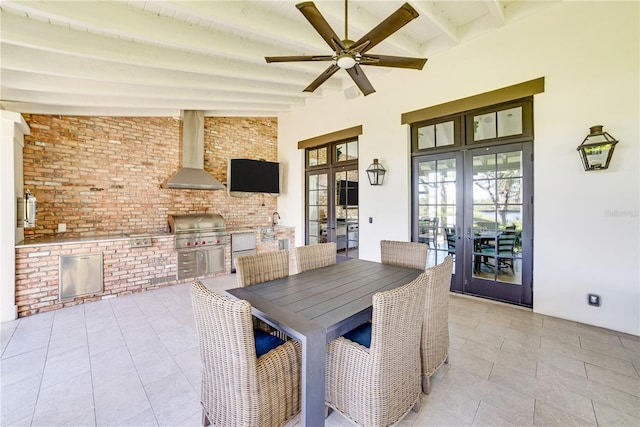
586 224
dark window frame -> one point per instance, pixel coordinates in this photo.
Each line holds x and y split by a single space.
458 132
463 128
527 123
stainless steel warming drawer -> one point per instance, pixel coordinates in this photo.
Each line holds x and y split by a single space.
242 244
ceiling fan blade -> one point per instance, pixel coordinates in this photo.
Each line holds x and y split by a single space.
321 25
393 61
360 80
298 58
322 78
393 23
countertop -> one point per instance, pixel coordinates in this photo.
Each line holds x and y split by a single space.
61 239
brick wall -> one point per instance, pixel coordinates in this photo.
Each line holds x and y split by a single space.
101 175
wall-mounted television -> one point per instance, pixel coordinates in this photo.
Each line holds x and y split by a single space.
253 176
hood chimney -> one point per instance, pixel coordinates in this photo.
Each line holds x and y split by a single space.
192 174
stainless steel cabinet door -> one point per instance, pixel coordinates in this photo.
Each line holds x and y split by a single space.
210 260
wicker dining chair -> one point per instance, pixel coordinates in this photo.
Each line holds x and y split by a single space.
314 256
435 329
404 254
261 267
373 372
249 378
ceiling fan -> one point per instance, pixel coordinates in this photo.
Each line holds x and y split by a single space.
349 55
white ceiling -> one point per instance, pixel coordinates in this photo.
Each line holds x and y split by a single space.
160 57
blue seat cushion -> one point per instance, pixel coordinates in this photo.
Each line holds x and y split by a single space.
265 342
361 334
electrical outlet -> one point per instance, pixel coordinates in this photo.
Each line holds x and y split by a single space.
594 300
370 220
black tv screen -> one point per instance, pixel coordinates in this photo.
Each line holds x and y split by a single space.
347 193
253 176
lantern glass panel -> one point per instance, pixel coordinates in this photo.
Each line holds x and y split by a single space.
597 155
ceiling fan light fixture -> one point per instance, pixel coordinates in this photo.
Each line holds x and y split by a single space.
349 55
345 61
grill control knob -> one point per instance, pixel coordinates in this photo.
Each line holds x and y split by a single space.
188 243
217 241
204 243
195 243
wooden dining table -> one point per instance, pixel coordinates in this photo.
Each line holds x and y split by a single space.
317 306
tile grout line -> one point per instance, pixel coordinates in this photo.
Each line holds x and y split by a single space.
46 358
155 417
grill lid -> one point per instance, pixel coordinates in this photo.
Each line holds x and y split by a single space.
195 223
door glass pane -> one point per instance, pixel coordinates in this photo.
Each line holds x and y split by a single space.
437 208
447 194
313 228
510 122
497 217
316 207
484 166
313 182
484 192
509 190
313 213
346 212
509 164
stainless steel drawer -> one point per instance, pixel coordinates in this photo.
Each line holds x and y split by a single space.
80 275
199 262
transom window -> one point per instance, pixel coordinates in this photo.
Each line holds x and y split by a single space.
436 135
497 124
317 156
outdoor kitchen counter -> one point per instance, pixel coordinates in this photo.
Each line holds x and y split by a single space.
255 229
269 237
64 240
61 239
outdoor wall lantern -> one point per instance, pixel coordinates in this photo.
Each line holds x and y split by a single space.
596 149
376 172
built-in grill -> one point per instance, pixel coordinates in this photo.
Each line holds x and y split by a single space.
200 241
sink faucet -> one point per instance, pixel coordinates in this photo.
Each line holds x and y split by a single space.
276 217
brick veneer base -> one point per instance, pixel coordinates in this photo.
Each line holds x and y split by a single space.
126 269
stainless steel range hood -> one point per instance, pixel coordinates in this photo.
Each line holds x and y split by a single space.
192 174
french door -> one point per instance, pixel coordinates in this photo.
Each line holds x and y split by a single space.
476 205
332 208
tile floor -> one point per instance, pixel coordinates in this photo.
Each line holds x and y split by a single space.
133 361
